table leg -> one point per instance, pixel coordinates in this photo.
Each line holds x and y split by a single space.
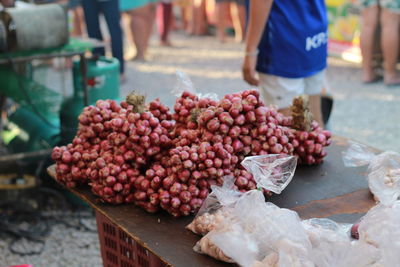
3 99
83 67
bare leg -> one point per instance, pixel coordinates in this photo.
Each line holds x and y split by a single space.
184 24
151 16
76 31
126 26
222 11
242 19
138 28
174 26
78 21
369 25
190 16
238 18
199 17
390 45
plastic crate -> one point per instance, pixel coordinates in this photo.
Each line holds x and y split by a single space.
118 249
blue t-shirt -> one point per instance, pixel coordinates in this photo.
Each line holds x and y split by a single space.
294 43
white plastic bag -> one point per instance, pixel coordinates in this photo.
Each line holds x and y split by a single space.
215 208
272 172
270 230
383 171
332 246
206 246
235 242
380 227
357 155
225 237
184 83
259 234
270 222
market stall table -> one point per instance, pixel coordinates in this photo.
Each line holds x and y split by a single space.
327 190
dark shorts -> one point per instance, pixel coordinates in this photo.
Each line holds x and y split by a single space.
239 2
72 4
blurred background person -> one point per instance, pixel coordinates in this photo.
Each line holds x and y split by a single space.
110 10
198 18
165 19
286 45
234 9
7 3
387 13
185 9
141 15
78 21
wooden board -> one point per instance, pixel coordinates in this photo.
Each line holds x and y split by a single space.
328 190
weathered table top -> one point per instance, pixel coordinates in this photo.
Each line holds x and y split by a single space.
328 190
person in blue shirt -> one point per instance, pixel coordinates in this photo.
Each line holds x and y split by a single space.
286 51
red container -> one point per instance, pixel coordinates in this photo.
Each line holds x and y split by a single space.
118 249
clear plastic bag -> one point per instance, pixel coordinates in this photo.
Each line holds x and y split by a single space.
237 242
275 234
233 240
237 237
380 228
357 155
227 240
383 171
259 234
272 172
215 208
384 177
332 245
206 246
184 83
268 221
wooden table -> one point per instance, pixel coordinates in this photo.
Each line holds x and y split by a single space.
328 190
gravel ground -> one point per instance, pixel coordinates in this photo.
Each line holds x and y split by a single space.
65 247
369 114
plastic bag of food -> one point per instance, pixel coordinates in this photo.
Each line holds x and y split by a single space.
226 242
272 172
236 242
215 208
207 247
279 231
270 230
184 83
288 254
332 245
357 155
270 222
260 234
383 171
234 236
380 227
